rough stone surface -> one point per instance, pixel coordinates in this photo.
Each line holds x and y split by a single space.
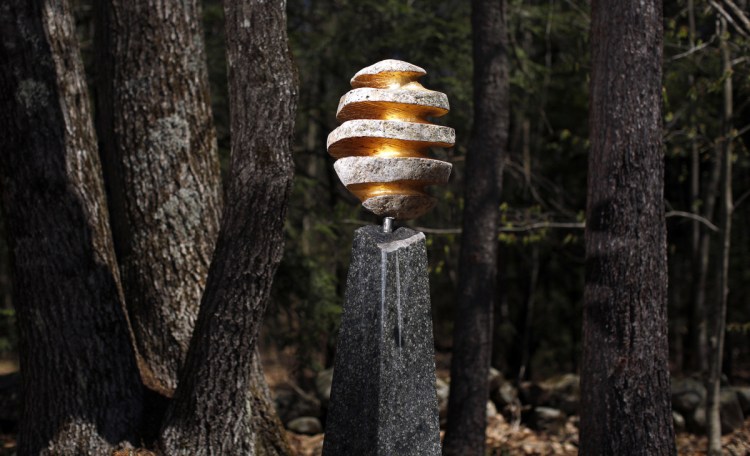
400 207
383 398
370 103
381 73
345 139
358 170
385 117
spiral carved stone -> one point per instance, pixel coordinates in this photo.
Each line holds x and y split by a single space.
383 143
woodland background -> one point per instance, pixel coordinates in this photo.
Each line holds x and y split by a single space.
537 334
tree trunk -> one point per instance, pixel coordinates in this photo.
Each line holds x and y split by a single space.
162 170
472 337
71 319
625 406
717 314
695 358
213 405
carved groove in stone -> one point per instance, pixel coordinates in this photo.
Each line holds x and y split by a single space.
384 140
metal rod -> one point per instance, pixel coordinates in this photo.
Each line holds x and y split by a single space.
388 225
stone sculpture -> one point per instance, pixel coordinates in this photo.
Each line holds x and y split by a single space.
382 145
383 398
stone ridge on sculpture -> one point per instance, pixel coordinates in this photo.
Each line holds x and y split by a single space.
382 145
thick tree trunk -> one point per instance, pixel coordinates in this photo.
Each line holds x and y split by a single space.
625 407
214 403
472 337
162 170
71 319
717 314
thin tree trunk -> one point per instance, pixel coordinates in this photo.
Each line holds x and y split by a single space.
704 260
472 337
71 319
625 406
213 405
718 313
162 170
696 359
528 322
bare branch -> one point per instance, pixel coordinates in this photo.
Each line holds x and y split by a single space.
692 216
692 50
728 17
739 14
741 199
509 229
555 225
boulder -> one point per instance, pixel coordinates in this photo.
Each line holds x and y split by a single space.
495 378
504 395
549 420
305 425
687 395
491 409
743 396
562 392
10 402
532 394
323 382
732 417
291 405
443 389
679 422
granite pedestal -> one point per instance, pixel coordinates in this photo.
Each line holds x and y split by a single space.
383 399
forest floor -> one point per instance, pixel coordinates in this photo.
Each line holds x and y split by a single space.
505 439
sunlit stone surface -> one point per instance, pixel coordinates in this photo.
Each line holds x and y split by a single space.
385 139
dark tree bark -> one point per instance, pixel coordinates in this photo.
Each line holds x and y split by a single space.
71 319
213 404
625 406
161 168
472 336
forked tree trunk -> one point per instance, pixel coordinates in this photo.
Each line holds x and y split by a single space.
625 405
71 319
163 174
162 170
472 336
213 404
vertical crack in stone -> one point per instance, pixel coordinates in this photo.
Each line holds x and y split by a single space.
383 287
398 302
